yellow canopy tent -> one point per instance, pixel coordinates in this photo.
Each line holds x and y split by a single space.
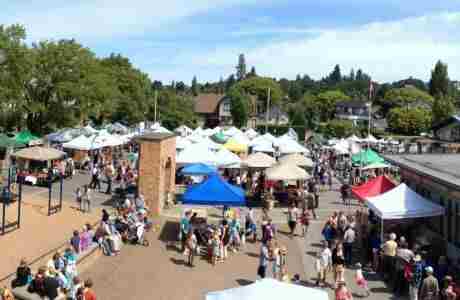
234 146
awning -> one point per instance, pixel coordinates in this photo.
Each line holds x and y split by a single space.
377 165
403 203
286 172
373 187
259 160
214 191
269 289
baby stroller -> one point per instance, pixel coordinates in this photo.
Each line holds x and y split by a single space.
136 235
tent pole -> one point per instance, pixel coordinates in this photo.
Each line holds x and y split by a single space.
381 230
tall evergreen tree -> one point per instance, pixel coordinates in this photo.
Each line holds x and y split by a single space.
241 68
252 73
443 108
439 82
336 75
359 75
352 75
195 88
230 82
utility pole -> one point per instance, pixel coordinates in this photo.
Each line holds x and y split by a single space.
267 113
155 106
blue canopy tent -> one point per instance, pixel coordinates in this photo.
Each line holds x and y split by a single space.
198 169
214 191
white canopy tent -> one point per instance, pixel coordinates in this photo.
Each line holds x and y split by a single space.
265 146
268 289
197 153
209 144
251 133
403 203
241 138
354 138
183 130
82 143
227 159
289 147
370 139
377 165
232 131
182 143
286 172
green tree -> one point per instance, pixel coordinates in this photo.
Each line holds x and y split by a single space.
443 108
252 73
230 82
335 76
403 97
258 86
195 88
174 110
409 121
239 102
339 128
439 82
241 68
326 102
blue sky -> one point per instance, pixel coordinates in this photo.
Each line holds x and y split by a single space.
177 39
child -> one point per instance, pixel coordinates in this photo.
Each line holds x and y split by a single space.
360 280
215 245
284 275
75 241
305 222
318 268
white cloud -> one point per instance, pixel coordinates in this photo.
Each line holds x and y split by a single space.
388 51
103 19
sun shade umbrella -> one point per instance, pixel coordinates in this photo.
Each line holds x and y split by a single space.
297 159
286 172
259 160
219 138
39 153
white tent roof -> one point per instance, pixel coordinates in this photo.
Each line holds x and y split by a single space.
232 131
342 147
183 130
354 138
81 143
269 289
227 158
265 146
403 203
241 138
161 129
251 133
197 153
106 140
286 172
259 160
209 144
370 139
288 147
182 143
269 137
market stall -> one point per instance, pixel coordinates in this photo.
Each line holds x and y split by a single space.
297 159
366 157
373 187
269 289
259 160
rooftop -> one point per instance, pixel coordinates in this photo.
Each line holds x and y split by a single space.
441 167
207 103
154 137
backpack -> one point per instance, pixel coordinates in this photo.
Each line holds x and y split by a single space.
37 285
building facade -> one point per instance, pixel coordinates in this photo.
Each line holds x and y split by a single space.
449 130
436 177
352 110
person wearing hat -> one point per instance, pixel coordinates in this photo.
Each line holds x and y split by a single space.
413 273
430 286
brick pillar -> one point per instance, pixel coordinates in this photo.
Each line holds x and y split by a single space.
157 159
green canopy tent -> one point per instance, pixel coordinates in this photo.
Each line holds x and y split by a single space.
25 137
366 157
7 142
219 138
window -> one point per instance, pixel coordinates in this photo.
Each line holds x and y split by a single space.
455 134
227 107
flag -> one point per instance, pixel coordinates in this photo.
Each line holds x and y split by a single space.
371 89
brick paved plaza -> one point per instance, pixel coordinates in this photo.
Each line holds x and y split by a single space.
158 271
